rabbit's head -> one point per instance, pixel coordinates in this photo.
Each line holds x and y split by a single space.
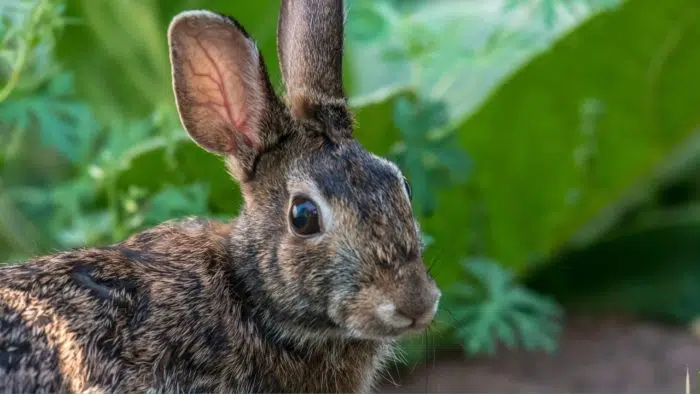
328 225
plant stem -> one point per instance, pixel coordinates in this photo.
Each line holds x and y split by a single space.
25 48
113 203
16 71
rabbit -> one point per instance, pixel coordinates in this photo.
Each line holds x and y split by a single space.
308 289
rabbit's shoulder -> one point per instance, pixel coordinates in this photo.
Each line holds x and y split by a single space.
189 235
83 317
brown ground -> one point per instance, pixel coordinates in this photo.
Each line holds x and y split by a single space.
595 356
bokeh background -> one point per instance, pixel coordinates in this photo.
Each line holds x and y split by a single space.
553 147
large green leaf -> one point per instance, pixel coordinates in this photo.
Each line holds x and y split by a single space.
620 88
450 50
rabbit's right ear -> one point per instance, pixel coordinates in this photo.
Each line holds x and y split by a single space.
310 51
224 97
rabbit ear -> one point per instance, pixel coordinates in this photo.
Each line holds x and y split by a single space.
223 94
310 50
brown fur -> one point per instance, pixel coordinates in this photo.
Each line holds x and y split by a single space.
198 305
156 311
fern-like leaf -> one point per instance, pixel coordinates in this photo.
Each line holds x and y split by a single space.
491 308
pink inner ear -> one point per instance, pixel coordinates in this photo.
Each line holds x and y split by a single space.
222 84
217 97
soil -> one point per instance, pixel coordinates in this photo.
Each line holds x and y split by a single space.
595 355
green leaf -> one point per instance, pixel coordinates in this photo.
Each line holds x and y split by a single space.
502 311
63 123
404 117
513 4
549 12
368 22
62 85
438 37
177 202
424 159
536 197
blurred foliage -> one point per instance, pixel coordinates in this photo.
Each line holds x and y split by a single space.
529 130
490 307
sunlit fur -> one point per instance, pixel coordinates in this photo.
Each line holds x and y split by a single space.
198 305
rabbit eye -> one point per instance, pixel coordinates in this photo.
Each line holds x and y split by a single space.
304 217
409 190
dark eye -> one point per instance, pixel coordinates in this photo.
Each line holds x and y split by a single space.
304 217
407 185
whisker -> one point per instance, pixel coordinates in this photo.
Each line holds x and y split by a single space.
432 263
432 368
397 359
434 260
427 345
440 320
456 321
388 377
394 358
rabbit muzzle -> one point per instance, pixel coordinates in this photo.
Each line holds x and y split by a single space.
412 306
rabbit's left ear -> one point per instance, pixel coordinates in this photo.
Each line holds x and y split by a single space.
310 51
223 94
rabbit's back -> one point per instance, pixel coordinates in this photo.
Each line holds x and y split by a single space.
114 317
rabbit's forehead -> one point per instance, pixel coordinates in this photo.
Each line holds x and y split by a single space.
360 195
352 175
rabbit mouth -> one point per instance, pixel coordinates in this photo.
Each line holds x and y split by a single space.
390 323
405 322
386 333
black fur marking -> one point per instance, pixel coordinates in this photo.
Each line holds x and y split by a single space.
30 351
217 340
106 289
135 255
10 354
336 120
278 146
239 292
107 343
141 312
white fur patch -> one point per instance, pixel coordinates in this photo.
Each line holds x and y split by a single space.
396 170
387 314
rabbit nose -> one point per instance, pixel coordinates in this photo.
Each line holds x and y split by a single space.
412 315
420 316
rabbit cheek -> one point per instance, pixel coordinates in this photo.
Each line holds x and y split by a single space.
290 272
298 261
